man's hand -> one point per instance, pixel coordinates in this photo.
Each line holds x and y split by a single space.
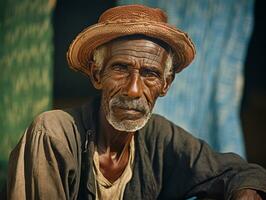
246 194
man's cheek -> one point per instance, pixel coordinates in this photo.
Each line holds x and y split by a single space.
151 96
111 87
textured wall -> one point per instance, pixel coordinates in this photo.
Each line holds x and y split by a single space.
26 68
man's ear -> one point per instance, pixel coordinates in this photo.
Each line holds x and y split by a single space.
167 83
95 76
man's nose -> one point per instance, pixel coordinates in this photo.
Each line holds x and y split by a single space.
134 86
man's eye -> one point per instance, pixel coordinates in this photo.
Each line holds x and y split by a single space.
150 73
120 67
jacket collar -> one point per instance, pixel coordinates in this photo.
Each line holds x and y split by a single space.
142 184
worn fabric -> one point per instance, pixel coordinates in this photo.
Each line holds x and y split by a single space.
205 97
54 160
104 188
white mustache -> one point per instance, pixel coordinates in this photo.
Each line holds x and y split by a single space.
129 103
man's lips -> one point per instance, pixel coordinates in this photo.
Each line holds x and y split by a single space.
127 113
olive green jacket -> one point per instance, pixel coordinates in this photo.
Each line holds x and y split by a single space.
53 160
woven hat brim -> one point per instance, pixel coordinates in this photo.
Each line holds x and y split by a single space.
81 49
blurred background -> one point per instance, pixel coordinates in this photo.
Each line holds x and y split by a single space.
221 97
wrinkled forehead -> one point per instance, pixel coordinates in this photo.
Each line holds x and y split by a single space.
132 38
139 46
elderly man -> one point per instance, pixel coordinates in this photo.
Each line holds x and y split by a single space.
113 147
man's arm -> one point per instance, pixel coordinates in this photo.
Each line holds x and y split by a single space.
41 167
225 176
247 194
192 168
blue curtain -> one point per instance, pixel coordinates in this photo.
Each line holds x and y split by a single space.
205 98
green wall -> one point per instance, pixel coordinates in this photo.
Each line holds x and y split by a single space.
25 69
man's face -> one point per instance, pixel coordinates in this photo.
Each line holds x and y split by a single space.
131 80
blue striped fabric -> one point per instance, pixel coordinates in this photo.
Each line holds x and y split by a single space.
205 98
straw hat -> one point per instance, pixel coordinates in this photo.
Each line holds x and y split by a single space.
130 20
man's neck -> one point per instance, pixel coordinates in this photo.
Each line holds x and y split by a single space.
110 139
113 149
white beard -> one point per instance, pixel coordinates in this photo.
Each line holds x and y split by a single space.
128 125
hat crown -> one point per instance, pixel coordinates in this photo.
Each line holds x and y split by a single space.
133 13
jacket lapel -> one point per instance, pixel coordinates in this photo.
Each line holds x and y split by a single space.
143 184
89 118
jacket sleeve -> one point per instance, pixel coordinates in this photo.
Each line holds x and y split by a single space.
41 167
185 166
206 173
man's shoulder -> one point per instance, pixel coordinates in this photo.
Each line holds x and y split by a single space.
159 122
58 117
159 126
53 115
57 123
159 118
160 132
